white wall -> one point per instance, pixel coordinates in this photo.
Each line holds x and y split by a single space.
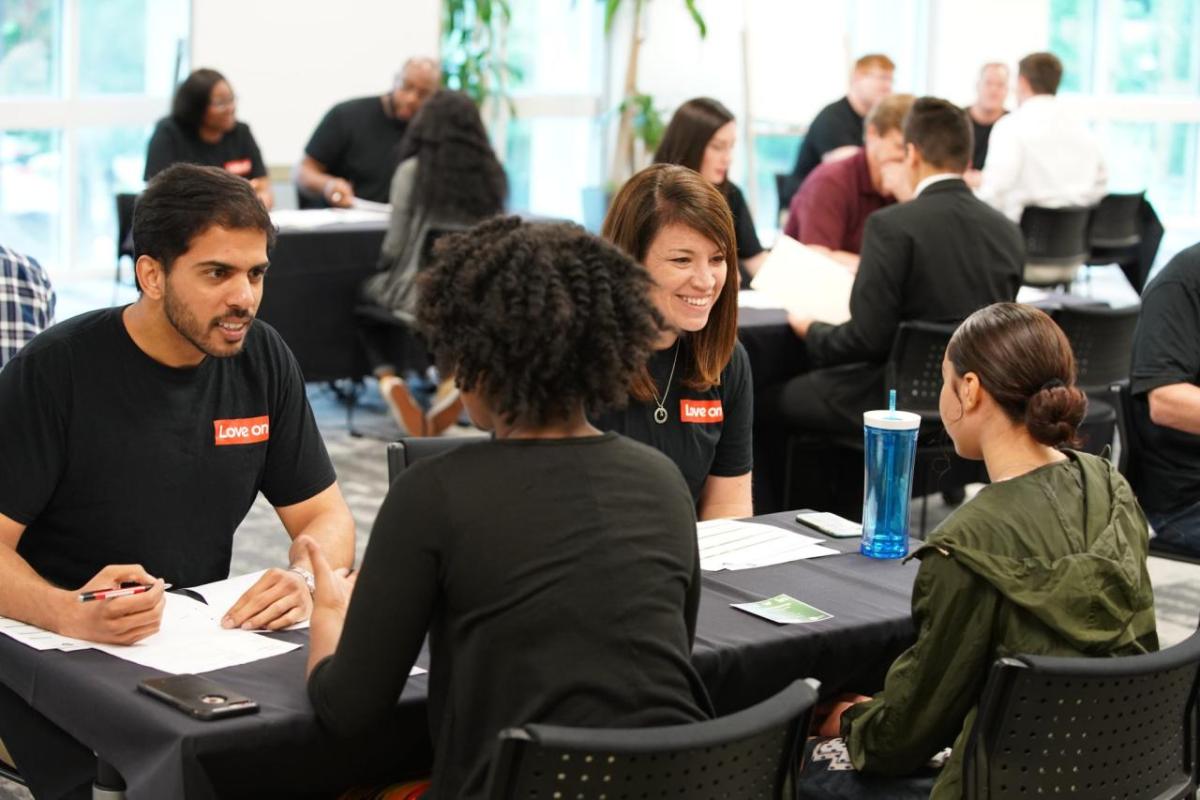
290 60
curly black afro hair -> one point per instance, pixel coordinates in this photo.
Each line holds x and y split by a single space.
537 318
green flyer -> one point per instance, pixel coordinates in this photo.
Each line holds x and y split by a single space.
784 609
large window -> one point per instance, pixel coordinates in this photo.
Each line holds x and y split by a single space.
84 80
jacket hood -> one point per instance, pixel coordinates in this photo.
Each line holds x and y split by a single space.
1078 568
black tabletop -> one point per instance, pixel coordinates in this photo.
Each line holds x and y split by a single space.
282 751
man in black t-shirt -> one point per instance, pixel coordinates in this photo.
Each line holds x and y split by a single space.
355 149
141 435
839 125
1165 387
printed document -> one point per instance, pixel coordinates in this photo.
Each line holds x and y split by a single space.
806 282
733 545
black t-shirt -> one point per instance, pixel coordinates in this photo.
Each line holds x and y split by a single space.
748 245
1165 463
357 141
109 457
706 433
837 125
981 133
237 151
559 582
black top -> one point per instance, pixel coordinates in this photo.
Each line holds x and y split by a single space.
237 151
748 245
937 258
109 457
1165 463
837 125
706 433
981 134
559 582
358 141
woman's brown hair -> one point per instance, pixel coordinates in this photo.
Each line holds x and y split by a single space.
667 194
691 128
1024 360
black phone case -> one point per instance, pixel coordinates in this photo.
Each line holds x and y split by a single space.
198 697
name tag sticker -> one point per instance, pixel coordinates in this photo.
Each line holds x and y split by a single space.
703 411
250 430
241 166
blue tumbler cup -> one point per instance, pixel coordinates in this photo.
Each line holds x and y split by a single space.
890 450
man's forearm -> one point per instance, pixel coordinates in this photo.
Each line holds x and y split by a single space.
334 532
1176 406
312 179
25 595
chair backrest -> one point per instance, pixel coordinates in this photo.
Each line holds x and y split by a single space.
1120 727
750 755
125 204
1115 221
914 368
409 450
1055 236
1102 340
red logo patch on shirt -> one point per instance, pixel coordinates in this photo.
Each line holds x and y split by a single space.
239 166
242 431
704 411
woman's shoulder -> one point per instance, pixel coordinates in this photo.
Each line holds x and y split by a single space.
737 370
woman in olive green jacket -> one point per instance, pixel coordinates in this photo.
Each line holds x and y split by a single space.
1049 559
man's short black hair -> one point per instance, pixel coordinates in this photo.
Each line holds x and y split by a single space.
184 200
941 131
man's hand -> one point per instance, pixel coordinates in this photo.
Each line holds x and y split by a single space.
973 178
338 192
799 325
121 620
278 599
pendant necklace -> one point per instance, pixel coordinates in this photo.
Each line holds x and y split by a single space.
660 413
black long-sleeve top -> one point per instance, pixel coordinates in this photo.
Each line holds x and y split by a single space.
558 580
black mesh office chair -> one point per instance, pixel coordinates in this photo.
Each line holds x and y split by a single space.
1115 233
750 755
404 453
125 205
1056 244
1122 727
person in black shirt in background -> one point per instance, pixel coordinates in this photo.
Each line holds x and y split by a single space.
355 149
137 438
839 125
694 399
203 129
701 136
555 567
988 107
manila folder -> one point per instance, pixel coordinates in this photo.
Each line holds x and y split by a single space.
807 283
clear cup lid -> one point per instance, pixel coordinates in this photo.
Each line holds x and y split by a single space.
892 420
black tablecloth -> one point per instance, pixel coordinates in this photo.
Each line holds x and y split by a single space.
282 751
312 289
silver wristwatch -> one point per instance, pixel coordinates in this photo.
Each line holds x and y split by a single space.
309 580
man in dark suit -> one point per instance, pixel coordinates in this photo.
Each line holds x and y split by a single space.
936 258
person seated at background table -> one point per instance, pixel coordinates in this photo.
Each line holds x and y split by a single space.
839 125
354 150
936 258
1165 397
448 178
203 129
1049 559
701 136
830 211
1042 154
991 91
555 567
693 399
26 302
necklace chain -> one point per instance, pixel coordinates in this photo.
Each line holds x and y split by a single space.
660 414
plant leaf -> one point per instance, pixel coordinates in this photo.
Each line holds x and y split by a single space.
699 20
610 12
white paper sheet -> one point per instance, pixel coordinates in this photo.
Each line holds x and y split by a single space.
221 595
39 639
749 298
807 283
191 639
306 219
370 205
729 544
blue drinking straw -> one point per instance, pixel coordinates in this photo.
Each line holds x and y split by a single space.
892 401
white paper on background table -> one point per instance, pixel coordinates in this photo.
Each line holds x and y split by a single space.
309 218
733 545
749 298
807 283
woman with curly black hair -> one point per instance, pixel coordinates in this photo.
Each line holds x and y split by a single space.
203 129
448 179
554 567
693 400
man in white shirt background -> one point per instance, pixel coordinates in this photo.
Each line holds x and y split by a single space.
1041 154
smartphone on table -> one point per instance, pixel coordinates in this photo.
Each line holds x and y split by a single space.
830 524
198 696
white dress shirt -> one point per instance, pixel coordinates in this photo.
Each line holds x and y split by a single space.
1042 155
937 177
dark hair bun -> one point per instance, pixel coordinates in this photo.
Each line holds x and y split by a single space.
1053 414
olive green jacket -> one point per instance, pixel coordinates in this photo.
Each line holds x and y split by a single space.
1052 562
